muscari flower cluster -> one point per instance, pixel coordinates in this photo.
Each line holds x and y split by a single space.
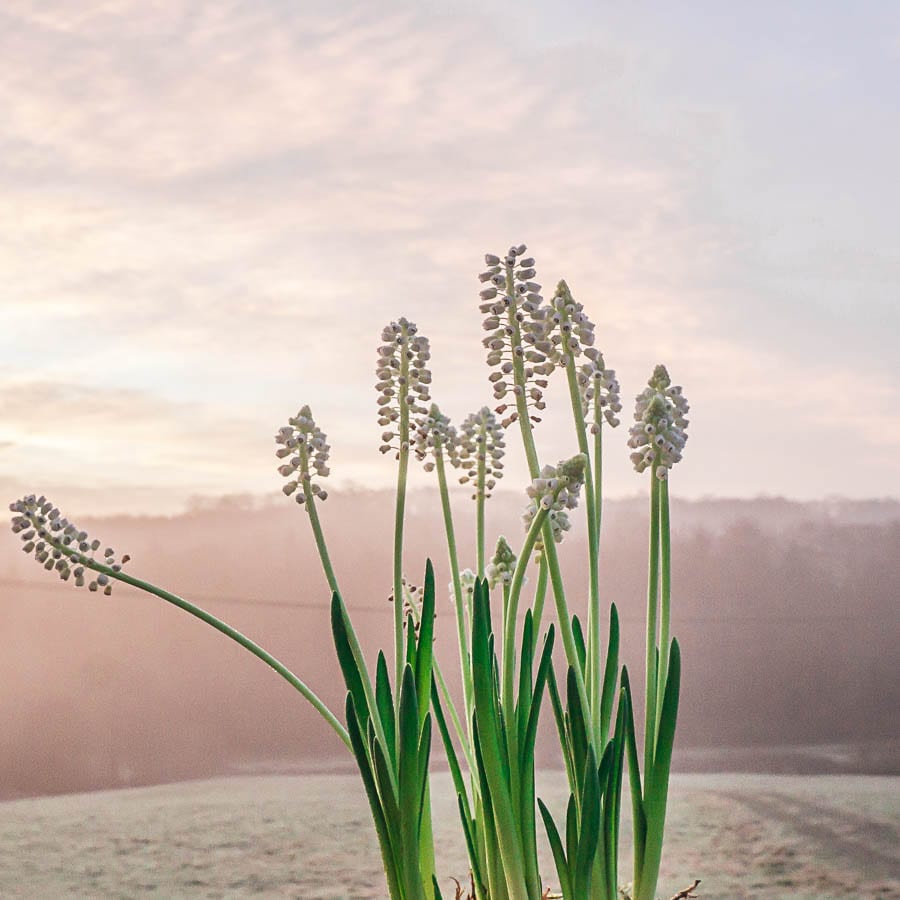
659 432
413 597
467 580
570 338
501 568
59 545
556 490
434 434
403 380
515 319
480 440
304 447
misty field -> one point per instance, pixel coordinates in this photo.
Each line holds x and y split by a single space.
310 836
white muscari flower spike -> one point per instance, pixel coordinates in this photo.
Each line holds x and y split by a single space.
60 546
433 434
304 448
402 377
480 440
570 339
659 432
413 597
516 325
467 583
501 568
556 490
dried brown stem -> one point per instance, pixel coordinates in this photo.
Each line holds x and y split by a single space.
687 892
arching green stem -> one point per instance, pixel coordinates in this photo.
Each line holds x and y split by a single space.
220 626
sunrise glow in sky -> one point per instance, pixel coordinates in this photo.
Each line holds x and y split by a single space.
210 209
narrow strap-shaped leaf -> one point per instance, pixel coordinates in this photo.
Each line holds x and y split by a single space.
577 724
639 818
611 673
386 791
666 738
605 767
559 855
435 888
385 701
468 832
492 739
411 642
572 835
452 759
544 672
425 652
613 800
523 703
578 633
424 756
562 729
410 797
385 839
589 826
340 627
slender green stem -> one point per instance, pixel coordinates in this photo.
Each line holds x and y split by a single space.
598 472
445 692
594 653
480 500
352 639
528 439
465 666
665 597
319 536
540 595
220 626
565 621
652 603
509 619
399 511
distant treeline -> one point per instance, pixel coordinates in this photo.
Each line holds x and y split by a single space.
787 614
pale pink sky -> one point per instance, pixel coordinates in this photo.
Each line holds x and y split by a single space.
210 210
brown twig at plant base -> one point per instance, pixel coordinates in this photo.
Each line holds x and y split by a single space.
687 892
461 893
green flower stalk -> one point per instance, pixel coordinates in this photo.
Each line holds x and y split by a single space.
61 546
304 448
479 450
551 495
657 438
403 379
434 438
516 321
569 344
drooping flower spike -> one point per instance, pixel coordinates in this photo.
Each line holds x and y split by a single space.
403 379
515 320
305 448
659 432
480 440
60 546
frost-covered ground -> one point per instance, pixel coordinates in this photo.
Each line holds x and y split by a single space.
310 836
